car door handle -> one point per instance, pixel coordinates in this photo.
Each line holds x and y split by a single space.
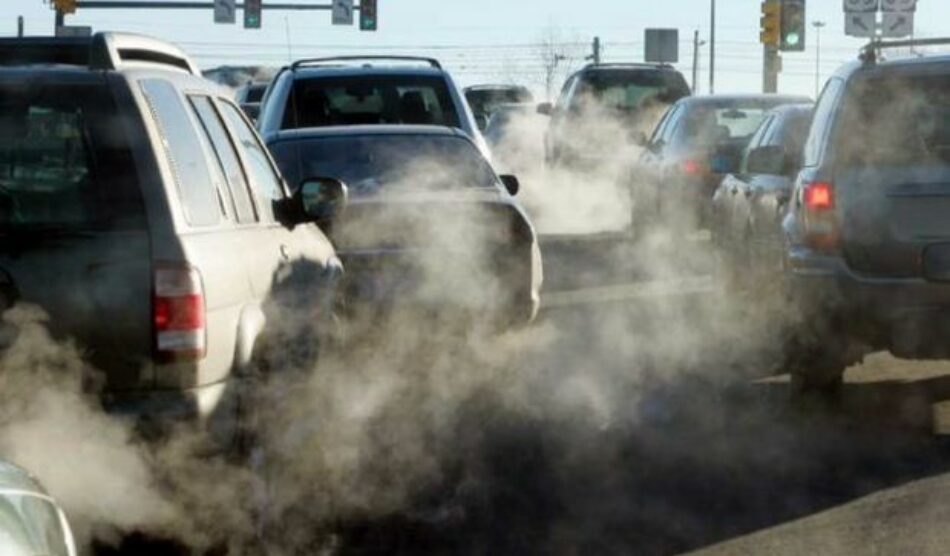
285 252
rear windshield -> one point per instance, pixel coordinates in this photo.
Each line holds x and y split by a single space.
629 90
369 163
898 120
713 125
64 160
370 100
486 101
255 93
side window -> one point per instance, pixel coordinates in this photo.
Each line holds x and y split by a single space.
563 98
821 123
227 157
670 131
264 177
761 137
186 154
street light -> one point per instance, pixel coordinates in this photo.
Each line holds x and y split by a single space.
818 25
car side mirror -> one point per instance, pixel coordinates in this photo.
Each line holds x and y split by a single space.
770 159
318 200
546 109
511 184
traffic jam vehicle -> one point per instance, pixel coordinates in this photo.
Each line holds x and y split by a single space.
485 99
366 90
698 141
749 204
127 235
867 239
603 107
428 222
31 521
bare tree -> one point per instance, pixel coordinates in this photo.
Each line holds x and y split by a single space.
557 56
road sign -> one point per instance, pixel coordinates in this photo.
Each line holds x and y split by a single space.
903 6
74 31
860 24
225 11
662 46
343 12
898 24
861 6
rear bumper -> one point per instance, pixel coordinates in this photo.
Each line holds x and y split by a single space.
908 316
194 404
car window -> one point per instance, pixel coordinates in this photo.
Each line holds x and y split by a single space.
793 132
368 163
371 100
62 163
663 125
759 138
227 158
821 123
265 180
562 99
628 90
201 201
710 125
915 131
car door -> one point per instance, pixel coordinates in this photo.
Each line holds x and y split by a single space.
299 268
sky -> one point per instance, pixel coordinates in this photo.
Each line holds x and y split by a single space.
497 40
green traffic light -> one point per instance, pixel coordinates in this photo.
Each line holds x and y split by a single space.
792 39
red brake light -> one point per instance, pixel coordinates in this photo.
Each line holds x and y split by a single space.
819 196
821 223
692 167
178 314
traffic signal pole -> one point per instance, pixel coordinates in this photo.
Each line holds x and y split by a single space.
771 66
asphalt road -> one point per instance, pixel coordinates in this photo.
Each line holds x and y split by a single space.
650 425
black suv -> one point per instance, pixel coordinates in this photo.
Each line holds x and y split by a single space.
606 105
867 232
141 211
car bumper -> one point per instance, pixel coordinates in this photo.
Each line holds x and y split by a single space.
193 404
908 316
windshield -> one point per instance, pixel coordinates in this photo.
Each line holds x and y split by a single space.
486 101
368 163
372 100
629 90
712 125
902 121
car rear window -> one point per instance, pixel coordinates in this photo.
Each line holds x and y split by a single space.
370 100
900 120
367 163
629 90
485 101
65 162
711 125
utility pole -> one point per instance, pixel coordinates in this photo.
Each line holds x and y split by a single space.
19 26
595 52
696 45
712 47
60 20
818 25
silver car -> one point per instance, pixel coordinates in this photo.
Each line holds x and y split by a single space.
31 523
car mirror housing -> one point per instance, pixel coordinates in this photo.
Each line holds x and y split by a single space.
511 184
317 200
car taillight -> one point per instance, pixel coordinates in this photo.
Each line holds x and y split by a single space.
178 314
821 224
692 168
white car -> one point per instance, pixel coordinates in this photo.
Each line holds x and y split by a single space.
31 523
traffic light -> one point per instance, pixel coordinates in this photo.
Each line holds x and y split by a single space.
771 23
793 25
368 15
252 14
65 6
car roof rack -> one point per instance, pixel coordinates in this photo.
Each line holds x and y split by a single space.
337 59
632 65
102 51
871 53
